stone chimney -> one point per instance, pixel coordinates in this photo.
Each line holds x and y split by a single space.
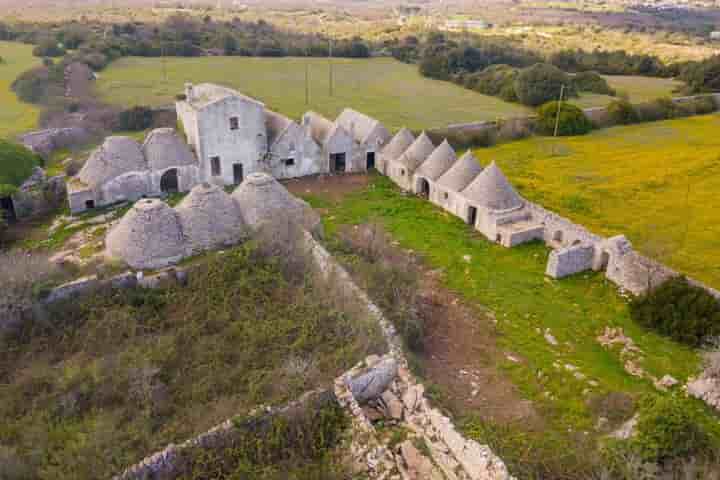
189 92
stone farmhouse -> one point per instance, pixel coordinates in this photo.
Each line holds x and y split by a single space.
229 136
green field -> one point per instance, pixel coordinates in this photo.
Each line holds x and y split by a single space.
15 116
638 89
657 183
391 91
512 284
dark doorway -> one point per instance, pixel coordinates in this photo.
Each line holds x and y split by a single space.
337 162
8 206
89 204
472 216
371 161
238 174
423 187
169 181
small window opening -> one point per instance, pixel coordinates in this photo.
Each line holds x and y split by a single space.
215 166
289 162
234 123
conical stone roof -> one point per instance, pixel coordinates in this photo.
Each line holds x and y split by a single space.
163 149
210 219
421 149
442 158
400 142
491 189
461 174
262 200
116 156
149 236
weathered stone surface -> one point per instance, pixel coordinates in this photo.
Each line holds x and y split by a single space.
393 405
412 397
707 390
570 260
419 467
372 384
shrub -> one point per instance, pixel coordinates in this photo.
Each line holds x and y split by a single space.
622 112
16 165
49 48
572 120
136 119
679 310
592 82
494 80
542 83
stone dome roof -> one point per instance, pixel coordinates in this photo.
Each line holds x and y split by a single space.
421 149
491 189
461 174
210 219
400 142
149 236
163 148
117 155
262 200
442 158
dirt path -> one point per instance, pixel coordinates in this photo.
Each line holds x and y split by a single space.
328 187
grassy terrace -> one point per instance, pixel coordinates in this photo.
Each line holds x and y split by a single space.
638 89
657 183
15 116
511 282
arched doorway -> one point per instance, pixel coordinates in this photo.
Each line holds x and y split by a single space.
8 209
423 187
169 181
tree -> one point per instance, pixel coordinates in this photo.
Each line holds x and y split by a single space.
570 121
677 309
136 119
541 83
49 48
230 44
622 112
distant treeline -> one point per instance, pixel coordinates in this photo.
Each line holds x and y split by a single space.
179 35
492 65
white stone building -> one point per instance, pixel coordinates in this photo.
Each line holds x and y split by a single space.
292 150
123 170
338 152
369 134
227 131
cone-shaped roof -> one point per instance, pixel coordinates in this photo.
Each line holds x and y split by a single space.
117 155
461 174
262 200
491 189
210 219
442 158
163 148
421 149
400 142
148 236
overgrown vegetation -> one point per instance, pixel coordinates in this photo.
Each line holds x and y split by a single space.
121 374
16 165
300 446
682 311
565 118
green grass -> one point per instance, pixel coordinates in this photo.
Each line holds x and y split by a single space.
657 183
15 116
638 89
511 282
391 91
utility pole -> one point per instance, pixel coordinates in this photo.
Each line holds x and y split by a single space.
330 64
164 65
557 117
307 73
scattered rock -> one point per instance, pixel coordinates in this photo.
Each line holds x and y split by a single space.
393 406
412 397
666 383
419 467
550 338
373 383
626 430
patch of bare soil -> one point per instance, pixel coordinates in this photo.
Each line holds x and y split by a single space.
330 187
461 355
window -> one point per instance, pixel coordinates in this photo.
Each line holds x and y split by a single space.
402 172
234 123
289 162
215 166
445 195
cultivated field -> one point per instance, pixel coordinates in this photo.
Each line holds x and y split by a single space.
15 116
657 183
391 91
638 89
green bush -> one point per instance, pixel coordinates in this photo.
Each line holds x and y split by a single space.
49 48
679 310
622 112
669 428
592 82
572 120
136 119
494 80
542 83
16 165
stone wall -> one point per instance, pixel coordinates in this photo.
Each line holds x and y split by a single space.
39 194
570 260
44 142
